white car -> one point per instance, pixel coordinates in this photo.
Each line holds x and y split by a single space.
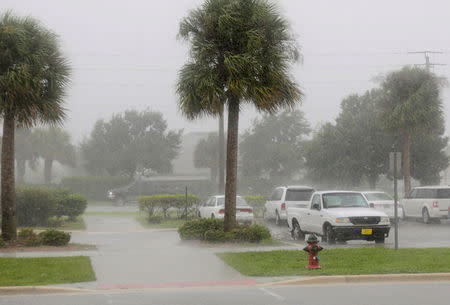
284 197
214 207
430 203
383 202
339 215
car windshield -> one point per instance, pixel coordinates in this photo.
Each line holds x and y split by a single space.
377 196
343 200
239 201
299 194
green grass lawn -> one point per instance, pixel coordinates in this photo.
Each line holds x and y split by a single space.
341 261
45 270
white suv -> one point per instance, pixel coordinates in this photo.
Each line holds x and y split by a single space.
427 202
286 196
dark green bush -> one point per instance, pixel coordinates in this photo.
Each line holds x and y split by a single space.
71 205
34 206
212 230
29 238
93 187
196 229
2 243
54 237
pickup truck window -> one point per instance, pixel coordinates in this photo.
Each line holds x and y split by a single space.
343 200
378 196
298 195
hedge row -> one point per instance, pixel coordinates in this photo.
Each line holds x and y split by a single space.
212 230
50 237
162 204
93 187
35 206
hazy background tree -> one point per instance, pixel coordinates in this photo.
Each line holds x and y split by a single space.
411 105
25 152
33 79
240 53
54 144
131 142
272 150
206 155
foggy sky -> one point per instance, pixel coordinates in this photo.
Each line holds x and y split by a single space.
125 54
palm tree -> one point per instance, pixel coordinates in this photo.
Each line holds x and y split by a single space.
411 105
25 152
53 144
33 78
240 53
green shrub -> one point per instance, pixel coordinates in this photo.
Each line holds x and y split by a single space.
2 243
55 221
34 206
54 237
29 238
163 203
93 187
212 230
155 219
257 203
196 229
71 205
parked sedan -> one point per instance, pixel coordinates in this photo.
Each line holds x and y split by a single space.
214 207
383 202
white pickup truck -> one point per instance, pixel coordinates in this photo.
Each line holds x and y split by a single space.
338 215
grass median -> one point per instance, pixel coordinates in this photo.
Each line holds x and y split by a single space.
355 261
45 270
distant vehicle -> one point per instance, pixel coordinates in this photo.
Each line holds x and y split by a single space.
160 185
338 216
430 203
383 202
286 196
214 207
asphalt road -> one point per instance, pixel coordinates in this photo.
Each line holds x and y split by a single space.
412 234
359 294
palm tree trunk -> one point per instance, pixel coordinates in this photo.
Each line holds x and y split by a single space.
231 172
406 163
48 170
221 153
21 167
9 225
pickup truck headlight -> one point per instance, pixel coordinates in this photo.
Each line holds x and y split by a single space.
384 219
343 220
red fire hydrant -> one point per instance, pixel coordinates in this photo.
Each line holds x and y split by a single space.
313 249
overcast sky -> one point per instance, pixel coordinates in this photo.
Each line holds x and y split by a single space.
125 54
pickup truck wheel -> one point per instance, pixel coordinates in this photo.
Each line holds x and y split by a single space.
296 232
425 215
329 235
212 216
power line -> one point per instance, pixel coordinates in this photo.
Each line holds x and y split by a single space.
428 64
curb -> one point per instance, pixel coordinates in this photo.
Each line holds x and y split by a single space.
21 290
371 278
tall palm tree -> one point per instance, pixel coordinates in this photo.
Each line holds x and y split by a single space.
53 144
240 53
411 105
33 78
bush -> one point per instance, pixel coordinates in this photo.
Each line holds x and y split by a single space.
29 238
52 237
71 205
163 203
34 206
257 203
155 219
212 230
93 187
2 243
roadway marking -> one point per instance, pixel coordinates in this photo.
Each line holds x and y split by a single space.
273 294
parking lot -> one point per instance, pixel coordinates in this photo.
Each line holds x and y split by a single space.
412 234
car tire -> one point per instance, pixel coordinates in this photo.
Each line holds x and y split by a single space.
426 216
379 240
329 235
212 216
296 232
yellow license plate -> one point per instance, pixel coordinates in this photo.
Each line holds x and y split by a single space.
366 231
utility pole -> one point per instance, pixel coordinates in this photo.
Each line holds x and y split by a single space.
428 64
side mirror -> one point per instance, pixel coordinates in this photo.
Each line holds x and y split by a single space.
316 206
